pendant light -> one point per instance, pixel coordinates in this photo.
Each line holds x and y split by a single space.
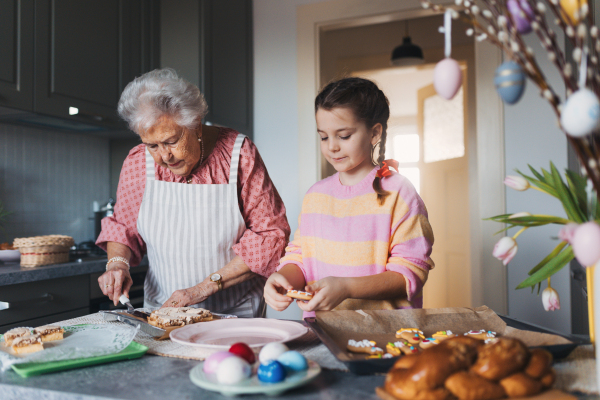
407 53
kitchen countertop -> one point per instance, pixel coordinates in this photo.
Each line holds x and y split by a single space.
13 273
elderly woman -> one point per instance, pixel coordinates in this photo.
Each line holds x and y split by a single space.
197 199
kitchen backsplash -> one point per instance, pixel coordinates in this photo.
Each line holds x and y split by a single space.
49 181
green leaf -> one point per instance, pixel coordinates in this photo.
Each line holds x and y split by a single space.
595 208
549 257
533 220
577 184
552 267
565 197
537 174
540 184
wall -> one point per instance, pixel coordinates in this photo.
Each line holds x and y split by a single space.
532 137
49 181
275 104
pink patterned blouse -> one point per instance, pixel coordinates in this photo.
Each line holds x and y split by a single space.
262 244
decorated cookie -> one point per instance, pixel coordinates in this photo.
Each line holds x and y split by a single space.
300 295
411 335
386 355
364 346
428 342
401 347
443 335
482 334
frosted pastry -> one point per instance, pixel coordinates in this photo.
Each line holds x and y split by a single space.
49 333
27 344
364 346
178 316
300 295
400 347
428 342
13 334
481 334
411 335
443 335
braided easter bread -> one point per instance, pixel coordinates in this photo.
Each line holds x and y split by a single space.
467 369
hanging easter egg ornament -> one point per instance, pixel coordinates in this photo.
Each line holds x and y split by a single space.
580 115
510 81
447 75
572 9
521 15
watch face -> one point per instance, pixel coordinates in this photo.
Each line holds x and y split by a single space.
215 277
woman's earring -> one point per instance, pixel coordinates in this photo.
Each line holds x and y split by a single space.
373 152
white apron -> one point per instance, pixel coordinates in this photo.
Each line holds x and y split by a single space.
189 231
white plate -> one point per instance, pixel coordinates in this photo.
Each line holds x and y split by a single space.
252 385
10 255
221 334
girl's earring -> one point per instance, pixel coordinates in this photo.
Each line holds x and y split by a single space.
375 150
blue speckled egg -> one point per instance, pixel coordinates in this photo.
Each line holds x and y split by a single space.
580 115
271 372
294 361
510 81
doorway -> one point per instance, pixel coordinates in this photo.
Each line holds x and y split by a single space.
420 136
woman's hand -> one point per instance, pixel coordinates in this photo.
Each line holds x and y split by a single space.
187 297
116 281
275 288
327 294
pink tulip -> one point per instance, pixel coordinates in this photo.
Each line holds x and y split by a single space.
516 182
550 299
505 249
566 232
586 243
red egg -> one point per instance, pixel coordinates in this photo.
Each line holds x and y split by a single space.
244 351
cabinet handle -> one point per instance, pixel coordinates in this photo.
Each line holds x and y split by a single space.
46 297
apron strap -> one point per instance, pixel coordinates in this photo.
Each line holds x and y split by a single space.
235 159
149 166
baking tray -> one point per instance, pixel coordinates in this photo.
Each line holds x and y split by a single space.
382 365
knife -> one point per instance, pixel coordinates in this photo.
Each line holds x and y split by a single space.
131 320
130 310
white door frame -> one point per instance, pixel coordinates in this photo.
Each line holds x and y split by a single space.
487 192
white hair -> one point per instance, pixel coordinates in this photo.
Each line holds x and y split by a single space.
161 93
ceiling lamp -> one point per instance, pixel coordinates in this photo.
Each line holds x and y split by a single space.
407 53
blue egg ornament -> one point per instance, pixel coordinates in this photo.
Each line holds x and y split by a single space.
293 361
271 372
580 115
510 81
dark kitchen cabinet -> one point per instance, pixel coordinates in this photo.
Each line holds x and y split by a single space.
86 51
16 54
226 62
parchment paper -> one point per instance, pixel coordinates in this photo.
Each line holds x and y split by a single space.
381 325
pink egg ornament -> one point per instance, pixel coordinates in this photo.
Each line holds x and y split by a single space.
212 362
586 243
447 78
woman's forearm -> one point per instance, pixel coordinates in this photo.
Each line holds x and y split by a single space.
382 286
234 273
114 249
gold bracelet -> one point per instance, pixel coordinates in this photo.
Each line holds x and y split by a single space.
121 259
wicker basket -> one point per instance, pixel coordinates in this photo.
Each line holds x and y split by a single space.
43 250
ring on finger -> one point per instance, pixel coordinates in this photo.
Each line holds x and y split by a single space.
107 286
174 303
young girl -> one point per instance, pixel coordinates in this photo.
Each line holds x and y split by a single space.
363 240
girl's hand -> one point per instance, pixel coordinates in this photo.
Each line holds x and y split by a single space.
327 294
275 289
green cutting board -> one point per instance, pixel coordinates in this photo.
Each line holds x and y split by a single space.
134 350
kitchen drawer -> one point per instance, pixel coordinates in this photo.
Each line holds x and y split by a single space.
50 319
31 300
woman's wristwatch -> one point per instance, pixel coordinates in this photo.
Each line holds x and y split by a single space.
218 279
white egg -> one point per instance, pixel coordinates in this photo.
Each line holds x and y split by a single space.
233 370
580 115
272 351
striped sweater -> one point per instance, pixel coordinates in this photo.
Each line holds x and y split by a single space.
343 231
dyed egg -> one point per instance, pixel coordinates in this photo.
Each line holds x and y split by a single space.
572 7
233 370
271 372
520 14
244 351
447 78
510 81
212 362
292 360
272 351
580 115
586 244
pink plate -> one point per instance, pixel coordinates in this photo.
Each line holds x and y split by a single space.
221 334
